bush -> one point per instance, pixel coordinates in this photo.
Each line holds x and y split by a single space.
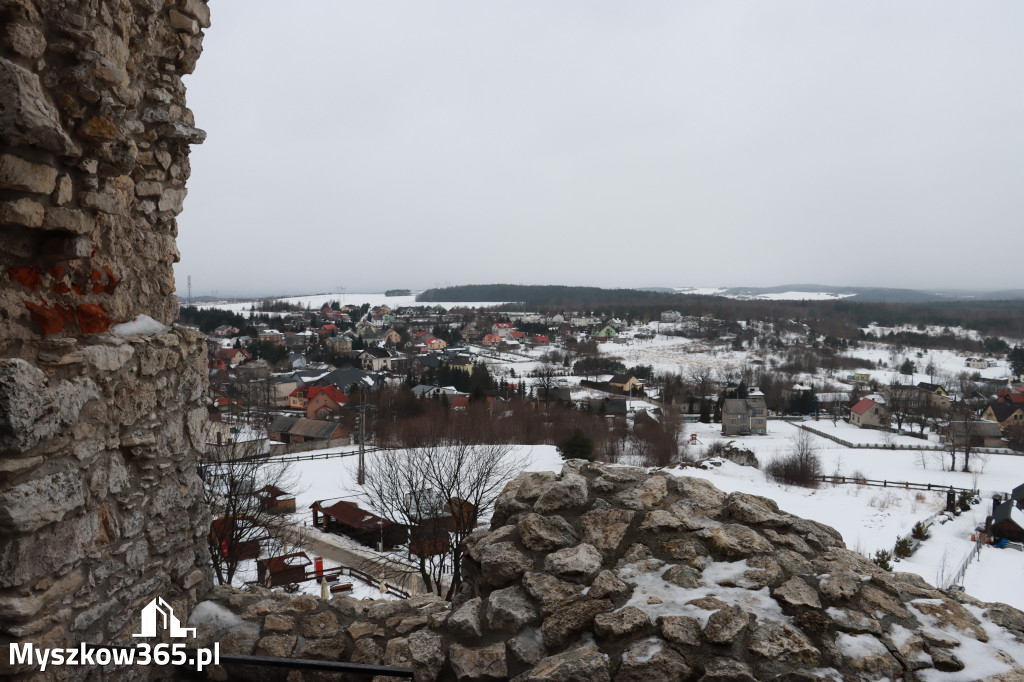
576 446
904 548
919 531
801 466
882 559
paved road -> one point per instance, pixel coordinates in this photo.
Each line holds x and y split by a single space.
309 538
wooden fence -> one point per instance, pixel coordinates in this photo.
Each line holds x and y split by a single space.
902 446
904 485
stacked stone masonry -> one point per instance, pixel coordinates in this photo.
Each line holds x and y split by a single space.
100 434
613 573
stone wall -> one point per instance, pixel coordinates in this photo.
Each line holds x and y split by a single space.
100 433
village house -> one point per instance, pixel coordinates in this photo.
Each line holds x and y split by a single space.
604 333
271 336
744 416
627 383
977 434
1004 413
324 401
339 344
233 357
671 316
935 394
868 414
977 363
225 330
491 340
300 430
502 329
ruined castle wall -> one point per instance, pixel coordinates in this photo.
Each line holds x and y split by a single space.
100 433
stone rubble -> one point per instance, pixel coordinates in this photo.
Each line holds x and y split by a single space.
713 598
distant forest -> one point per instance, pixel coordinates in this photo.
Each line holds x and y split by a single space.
837 318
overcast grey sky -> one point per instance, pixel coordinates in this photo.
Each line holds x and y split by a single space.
379 144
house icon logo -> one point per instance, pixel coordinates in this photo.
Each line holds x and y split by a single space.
156 611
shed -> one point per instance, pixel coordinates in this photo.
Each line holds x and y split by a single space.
283 570
346 518
1008 522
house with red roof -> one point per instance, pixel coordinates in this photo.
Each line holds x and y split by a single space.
503 329
540 340
233 356
867 414
491 340
324 401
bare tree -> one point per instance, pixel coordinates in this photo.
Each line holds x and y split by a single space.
239 486
439 491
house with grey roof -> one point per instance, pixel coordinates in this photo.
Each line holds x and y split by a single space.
745 416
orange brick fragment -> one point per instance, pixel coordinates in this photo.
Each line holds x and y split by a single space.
92 318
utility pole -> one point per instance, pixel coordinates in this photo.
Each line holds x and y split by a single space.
190 290
361 429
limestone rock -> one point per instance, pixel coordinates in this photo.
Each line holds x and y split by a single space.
509 609
839 585
622 623
684 576
727 670
577 665
795 592
18 174
570 620
425 649
26 115
661 521
579 563
570 492
502 563
545 533
651 660
552 593
606 528
752 509
680 630
465 621
479 663
607 584
782 646
725 625
733 541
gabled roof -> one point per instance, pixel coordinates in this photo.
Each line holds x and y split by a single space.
863 405
1008 511
931 388
983 428
351 515
1003 410
621 379
307 428
331 391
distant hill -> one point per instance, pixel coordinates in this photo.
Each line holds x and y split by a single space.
550 294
